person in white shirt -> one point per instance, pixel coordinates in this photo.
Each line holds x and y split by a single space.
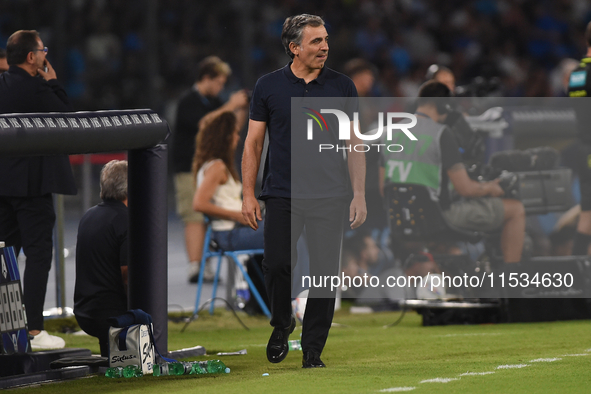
219 190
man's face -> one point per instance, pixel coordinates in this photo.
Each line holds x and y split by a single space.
313 51
3 65
215 85
39 55
447 79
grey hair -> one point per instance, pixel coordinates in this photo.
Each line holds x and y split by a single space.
114 180
293 28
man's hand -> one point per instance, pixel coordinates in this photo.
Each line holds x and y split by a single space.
494 189
238 99
251 211
467 187
357 211
239 217
50 74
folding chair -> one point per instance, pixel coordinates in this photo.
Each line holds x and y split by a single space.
211 251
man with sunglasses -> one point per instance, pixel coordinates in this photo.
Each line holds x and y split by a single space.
26 183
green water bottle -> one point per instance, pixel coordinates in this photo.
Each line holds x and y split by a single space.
132 371
161 369
197 369
180 368
216 366
295 344
114 372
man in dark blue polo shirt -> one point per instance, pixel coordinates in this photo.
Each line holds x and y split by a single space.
320 206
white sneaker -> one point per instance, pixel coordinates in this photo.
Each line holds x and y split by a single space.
45 341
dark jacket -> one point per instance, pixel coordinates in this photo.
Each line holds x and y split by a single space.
34 175
191 109
101 251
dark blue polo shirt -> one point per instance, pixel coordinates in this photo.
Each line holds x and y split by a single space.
314 175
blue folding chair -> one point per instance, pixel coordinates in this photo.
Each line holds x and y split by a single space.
233 255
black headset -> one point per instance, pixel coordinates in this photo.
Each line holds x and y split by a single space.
443 103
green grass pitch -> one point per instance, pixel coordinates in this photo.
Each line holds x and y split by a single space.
364 357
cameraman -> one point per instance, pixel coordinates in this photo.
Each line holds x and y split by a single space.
439 162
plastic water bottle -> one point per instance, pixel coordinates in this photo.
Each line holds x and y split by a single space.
161 369
216 366
198 369
295 344
190 368
180 368
114 372
132 371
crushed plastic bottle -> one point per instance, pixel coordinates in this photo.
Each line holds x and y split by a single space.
161 369
180 368
132 371
114 372
216 366
190 368
197 369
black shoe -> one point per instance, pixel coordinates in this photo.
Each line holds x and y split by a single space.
277 347
312 360
194 278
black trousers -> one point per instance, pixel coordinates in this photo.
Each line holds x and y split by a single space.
284 222
27 222
97 328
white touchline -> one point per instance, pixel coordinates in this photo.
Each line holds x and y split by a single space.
476 373
512 366
545 360
468 335
506 366
439 380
